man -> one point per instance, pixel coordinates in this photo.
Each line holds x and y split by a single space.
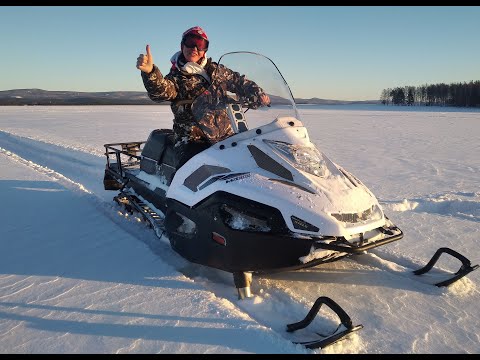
190 76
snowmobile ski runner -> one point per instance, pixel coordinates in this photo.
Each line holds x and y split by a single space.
325 340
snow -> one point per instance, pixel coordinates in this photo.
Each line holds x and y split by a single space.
79 276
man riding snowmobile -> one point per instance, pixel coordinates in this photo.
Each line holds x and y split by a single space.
190 76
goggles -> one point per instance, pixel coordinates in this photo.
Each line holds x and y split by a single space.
195 41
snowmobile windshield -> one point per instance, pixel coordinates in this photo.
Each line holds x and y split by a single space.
236 101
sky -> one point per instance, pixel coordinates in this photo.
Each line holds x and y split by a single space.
329 52
77 275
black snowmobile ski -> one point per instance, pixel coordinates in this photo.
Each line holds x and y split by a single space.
325 340
465 269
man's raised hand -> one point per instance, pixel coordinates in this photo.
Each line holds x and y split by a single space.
145 62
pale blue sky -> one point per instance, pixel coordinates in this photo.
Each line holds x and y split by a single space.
331 52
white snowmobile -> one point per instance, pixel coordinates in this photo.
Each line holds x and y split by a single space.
263 200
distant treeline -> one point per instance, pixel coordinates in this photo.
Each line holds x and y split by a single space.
456 94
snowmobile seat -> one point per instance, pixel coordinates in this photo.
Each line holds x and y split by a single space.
168 161
158 156
156 143
168 156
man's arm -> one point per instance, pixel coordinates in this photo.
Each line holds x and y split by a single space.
158 87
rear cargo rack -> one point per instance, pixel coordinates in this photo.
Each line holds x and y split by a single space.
124 155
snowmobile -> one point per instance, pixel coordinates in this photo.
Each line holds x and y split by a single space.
265 199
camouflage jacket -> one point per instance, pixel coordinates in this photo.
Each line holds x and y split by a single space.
178 86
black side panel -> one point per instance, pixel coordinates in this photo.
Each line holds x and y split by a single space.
242 250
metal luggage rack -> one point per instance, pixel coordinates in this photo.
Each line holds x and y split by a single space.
127 155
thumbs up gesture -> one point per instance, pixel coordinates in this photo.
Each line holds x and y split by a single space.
145 62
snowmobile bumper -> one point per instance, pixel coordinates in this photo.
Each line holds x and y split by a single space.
338 248
393 234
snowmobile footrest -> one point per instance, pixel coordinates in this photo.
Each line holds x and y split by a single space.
333 338
464 269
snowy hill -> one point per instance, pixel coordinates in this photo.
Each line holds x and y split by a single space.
44 97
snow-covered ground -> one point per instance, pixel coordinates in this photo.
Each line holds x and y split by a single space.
78 277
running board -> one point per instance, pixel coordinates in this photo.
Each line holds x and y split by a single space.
464 269
326 339
133 203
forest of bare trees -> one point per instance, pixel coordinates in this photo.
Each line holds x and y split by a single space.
456 94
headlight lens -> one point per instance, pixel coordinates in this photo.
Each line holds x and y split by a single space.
303 158
239 220
372 213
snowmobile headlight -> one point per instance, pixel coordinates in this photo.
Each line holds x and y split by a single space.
303 158
240 220
372 213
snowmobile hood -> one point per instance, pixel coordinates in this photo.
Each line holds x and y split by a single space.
257 165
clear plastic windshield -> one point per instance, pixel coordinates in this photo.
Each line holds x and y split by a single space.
236 101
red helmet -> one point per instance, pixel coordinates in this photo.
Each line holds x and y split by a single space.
196 30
